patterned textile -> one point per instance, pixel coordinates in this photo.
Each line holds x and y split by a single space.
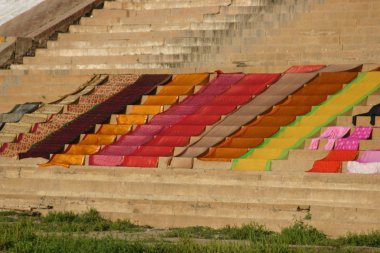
331 133
86 122
352 142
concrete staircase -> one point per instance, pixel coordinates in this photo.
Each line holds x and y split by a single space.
177 198
173 36
161 35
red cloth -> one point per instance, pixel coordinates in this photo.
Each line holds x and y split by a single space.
170 141
216 110
179 130
140 161
326 167
332 163
200 120
154 151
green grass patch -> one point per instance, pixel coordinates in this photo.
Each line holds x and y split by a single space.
90 232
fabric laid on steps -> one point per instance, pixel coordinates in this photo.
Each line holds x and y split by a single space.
161 100
98 139
98 114
332 163
352 142
342 68
82 149
168 123
38 131
180 85
108 129
372 113
175 90
256 88
131 119
64 159
146 110
18 112
305 126
278 91
331 134
304 68
294 106
367 163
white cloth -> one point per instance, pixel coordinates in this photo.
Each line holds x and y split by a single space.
363 168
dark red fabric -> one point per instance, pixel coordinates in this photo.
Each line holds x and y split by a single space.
179 130
200 120
230 100
170 141
154 151
216 110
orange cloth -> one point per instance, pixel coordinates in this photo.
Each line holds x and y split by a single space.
79 149
223 154
176 90
65 160
146 109
98 139
114 129
189 79
126 119
160 100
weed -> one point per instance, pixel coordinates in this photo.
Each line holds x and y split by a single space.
301 234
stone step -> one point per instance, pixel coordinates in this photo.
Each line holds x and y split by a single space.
361 121
163 5
185 192
148 216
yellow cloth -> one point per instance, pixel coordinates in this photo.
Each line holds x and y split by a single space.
80 149
260 157
146 109
189 79
98 139
65 160
114 129
176 90
160 100
126 119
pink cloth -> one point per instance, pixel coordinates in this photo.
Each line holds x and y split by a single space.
331 133
367 163
116 150
136 140
352 142
369 156
106 160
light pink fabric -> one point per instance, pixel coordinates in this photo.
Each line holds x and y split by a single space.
331 133
369 156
